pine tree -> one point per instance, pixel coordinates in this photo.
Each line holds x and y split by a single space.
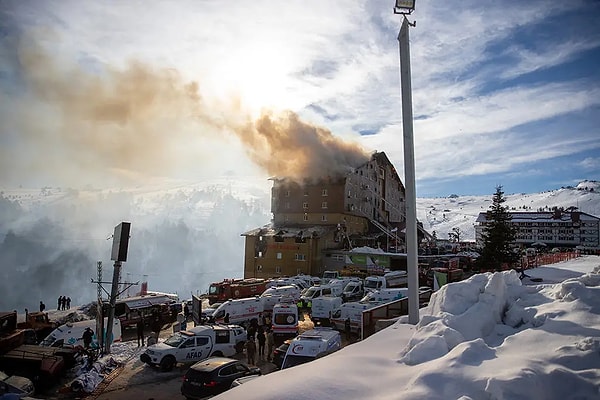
498 235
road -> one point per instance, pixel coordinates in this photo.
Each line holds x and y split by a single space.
139 381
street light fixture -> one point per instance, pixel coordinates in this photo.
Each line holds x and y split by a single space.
404 7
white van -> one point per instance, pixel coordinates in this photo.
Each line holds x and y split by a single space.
285 321
288 291
323 308
353 291
353 311
192 345
384 296
317 291
70 334
389 280
312 344
238 311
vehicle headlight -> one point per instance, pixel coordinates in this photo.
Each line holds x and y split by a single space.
150 352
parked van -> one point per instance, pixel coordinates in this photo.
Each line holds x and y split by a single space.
389 280
353 291
288 291
323 308
327 275
70 334
310 345
353 311
285 321
384 296
239 311
299 283
192 345
317 291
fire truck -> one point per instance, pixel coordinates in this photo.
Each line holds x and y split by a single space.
235 289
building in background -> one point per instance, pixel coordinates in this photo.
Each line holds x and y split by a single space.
559 228
365 207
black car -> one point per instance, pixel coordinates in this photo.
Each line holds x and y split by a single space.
213 376
279 353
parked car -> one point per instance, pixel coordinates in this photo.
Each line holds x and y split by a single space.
213 376
279 353
242 380
15 384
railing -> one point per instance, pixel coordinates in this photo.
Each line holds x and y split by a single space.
547 258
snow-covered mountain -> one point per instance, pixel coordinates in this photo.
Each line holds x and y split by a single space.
184 235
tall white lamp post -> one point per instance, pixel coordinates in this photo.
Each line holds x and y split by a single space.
404 8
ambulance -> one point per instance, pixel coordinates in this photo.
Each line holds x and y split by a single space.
310 345
71 333
353 311
285 321
323 308
239 311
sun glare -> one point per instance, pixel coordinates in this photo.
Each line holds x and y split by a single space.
258 75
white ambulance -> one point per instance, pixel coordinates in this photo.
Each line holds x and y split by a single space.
192 345
323 308
310 345
352 311
239 311
71 333
285 321
291 291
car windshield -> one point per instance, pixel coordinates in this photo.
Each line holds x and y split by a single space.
175 340
371 284
48 340
310 293
292 361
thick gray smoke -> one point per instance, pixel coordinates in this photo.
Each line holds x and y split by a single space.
42 259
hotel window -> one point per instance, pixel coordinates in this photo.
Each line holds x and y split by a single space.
305 205
305 217
300 257
324 192
324 204
279 256
306 192
323 218
278 269
287 204
287 193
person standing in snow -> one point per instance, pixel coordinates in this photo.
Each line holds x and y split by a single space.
60 298
261 342
68 303
140 331
42 306
270 343
250 350
87 337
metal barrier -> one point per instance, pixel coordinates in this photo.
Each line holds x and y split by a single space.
387 311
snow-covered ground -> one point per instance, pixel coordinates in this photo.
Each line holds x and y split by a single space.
489 337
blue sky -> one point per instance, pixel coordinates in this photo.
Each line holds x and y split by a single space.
100 93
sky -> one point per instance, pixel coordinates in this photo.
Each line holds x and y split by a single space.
491 336
112 94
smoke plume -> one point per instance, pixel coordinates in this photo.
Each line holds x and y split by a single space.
141 120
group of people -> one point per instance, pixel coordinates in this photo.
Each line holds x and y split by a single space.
261 332
64 303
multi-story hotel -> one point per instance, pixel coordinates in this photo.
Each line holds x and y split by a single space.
365 207
563 229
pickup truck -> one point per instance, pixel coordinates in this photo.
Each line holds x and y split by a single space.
192 345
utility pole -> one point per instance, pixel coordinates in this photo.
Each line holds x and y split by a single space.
118 255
